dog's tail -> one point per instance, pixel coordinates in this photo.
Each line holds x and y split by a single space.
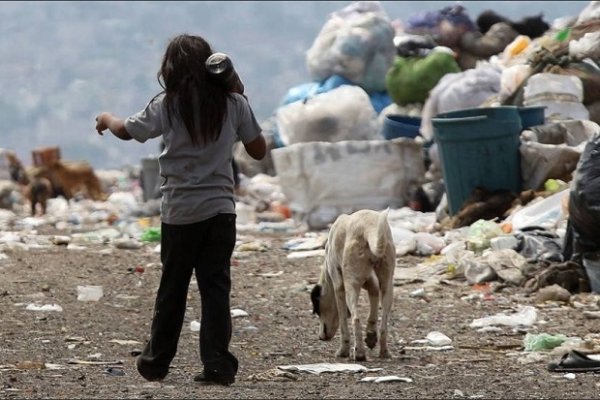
377 237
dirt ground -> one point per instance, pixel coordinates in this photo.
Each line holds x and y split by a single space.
43 354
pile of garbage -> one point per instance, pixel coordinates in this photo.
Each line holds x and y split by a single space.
372 131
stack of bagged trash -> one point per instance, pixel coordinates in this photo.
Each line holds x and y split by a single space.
331 157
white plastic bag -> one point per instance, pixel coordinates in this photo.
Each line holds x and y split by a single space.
586 46
344 113
356 43
455 91
511 78
525 316
590 12
545 213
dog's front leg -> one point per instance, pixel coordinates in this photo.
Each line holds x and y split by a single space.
352 298
340 298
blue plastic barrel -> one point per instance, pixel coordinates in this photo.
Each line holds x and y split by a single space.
395 126
532 116
478 147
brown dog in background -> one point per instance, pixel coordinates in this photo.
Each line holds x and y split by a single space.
69 178
38 191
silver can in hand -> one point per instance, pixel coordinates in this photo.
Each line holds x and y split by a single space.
220 66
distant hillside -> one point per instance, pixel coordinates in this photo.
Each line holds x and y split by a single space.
61 63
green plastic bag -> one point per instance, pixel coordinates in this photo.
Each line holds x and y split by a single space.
151 235
480 234
410 79
542 341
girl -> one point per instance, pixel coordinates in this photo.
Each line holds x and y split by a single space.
199 121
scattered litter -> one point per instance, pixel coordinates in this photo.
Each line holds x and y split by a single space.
127 244
72 246
124 342
75 339
273 374
570 376
195 326
591 314
89 293
126 297
45 307
151 235
390 378
438 339
236 313
320 368
430 348
553 293
253 246
87 362
526 316
306 254
52 366
304 244
418 293
270 274
542 341
113 371
30 365
288 226
61 240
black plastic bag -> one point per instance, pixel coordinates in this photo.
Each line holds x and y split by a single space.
584 199
537 244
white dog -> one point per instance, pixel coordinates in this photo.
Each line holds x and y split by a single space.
360 253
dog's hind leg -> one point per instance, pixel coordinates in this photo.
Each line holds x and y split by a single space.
387 298
372 287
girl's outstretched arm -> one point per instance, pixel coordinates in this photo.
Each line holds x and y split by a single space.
115 125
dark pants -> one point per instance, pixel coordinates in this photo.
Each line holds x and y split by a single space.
205 248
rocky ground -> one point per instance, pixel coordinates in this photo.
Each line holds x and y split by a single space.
87 349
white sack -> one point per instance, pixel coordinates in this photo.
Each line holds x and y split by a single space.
562 95
322 180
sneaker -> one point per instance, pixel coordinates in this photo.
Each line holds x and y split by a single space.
150 377
214 379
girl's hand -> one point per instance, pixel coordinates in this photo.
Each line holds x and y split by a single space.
114 124
101 124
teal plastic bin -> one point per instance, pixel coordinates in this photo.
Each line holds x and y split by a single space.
478 147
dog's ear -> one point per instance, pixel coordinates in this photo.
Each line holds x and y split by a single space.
315 297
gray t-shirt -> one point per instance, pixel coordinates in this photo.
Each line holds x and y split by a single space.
197 181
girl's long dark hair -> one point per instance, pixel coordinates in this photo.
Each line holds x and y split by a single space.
200 102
